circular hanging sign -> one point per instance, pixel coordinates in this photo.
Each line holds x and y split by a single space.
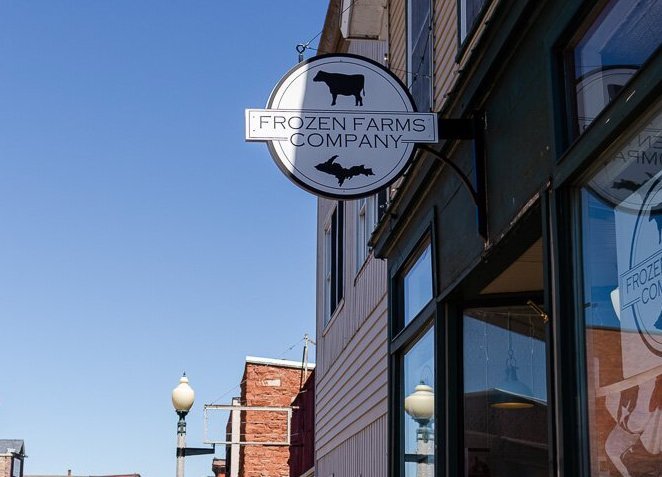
341 126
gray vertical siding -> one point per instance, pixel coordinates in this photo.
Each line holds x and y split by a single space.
397 32
375 50
351 366
359 457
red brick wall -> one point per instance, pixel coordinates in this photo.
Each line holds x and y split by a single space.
5 466
274 386
302 450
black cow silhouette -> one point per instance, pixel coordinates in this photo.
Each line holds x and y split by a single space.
346 85
655 213
342 173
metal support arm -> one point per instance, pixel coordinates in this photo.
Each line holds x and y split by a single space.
464 129
186 451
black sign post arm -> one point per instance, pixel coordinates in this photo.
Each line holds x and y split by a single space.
465 129
196 450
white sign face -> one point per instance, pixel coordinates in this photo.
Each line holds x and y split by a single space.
341 126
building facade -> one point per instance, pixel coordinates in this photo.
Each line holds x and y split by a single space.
522 252
12 455
537 327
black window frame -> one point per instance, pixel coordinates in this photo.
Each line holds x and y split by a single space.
413 72
401 339
564 68
337 252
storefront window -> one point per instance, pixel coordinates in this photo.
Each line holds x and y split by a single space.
418 408
505 393
622 262
417 284
613 47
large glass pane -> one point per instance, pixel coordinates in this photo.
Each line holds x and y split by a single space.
417 285
418 409
505 393
622 250
616 44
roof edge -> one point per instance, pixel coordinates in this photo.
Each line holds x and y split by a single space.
283 363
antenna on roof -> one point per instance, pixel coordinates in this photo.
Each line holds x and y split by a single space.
304 359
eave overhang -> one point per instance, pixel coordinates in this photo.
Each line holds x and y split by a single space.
365 19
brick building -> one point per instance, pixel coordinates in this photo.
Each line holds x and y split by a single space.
12 454
218 467
272 443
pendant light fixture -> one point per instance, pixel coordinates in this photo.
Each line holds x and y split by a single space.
511 393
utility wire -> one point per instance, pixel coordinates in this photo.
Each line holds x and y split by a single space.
280 356
227 392
301 47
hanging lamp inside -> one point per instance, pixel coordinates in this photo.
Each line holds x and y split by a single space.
511 393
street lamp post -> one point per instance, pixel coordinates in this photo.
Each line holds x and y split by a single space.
420 406
182 400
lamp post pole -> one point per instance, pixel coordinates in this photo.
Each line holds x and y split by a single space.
181 442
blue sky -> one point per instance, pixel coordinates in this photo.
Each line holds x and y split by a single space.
140 236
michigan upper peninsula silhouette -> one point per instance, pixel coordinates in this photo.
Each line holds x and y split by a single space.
342 173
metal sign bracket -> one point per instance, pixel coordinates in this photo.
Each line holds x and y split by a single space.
468 129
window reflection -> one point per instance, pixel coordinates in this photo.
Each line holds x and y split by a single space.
622 248
505 393
418 407
623 36
417 285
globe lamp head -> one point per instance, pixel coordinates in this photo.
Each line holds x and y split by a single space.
183 396
420 404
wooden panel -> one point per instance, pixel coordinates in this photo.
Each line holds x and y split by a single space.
373 49
368 372
365 343
445 49
365 454
351 364
360 376
398 39
362 292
